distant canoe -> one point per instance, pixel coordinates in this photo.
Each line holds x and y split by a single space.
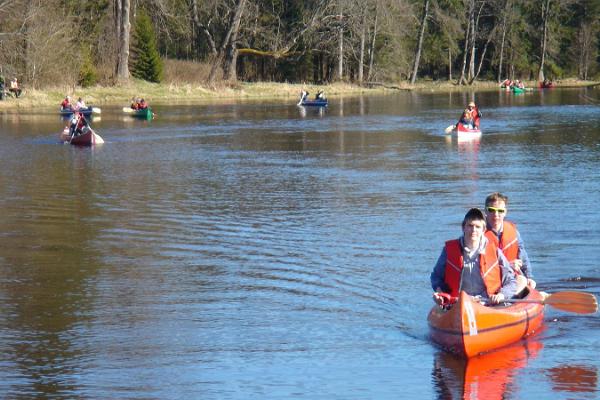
313 103
89 138
85 111
145 113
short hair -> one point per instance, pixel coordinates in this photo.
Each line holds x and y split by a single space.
474 214
494 197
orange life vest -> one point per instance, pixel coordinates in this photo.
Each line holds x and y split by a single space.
508 241
488 266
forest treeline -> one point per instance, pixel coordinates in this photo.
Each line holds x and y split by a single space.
85 42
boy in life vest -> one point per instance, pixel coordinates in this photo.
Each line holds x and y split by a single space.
506 236
473 264
475 113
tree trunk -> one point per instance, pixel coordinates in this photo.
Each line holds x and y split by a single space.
123 57
234 25
230 67
502 41
461 80
361 58
545 20
340 67
471 73
372 47
420 42
449 63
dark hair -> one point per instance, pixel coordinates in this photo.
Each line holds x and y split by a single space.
474 214
494 197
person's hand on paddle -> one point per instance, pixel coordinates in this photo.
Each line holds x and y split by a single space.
531 283
496 298
438 298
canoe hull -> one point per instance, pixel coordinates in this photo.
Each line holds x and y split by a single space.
314 103
146 113
85 111
465 133
470 328
89 138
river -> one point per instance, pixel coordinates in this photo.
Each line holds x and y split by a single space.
263 250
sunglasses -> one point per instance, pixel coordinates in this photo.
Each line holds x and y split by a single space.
494 209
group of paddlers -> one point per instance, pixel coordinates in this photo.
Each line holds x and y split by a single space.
488 260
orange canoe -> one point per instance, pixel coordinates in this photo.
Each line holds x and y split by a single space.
470 328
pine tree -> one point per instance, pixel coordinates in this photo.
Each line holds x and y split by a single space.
146 62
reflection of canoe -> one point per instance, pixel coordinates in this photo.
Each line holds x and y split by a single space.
89 138
85 111
488 376
469 328
145 113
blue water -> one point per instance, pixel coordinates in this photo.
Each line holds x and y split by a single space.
258 250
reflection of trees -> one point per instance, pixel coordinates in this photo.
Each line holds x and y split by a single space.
487 376
48 258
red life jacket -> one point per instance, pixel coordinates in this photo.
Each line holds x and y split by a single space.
488 266
508 241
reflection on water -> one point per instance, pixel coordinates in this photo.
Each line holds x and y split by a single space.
574 378
486 377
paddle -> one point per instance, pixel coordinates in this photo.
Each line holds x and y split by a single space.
577 302
96 110
128 110
449 129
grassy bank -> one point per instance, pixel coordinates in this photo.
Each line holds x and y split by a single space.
182 93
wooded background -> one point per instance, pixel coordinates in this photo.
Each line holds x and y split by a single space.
53 42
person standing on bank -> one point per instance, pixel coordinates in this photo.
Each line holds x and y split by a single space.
473 264
506 236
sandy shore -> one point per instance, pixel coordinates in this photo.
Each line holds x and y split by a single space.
166 93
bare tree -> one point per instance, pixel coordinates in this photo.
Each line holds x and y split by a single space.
122 16
420 41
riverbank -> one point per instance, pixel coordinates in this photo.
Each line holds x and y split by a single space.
171 93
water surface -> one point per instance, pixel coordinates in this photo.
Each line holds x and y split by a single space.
263 250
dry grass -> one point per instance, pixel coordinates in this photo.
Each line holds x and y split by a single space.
185 82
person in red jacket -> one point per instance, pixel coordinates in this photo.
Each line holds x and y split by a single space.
475 113
507 237
473 264
66 104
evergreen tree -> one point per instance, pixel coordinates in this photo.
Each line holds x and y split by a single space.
146 62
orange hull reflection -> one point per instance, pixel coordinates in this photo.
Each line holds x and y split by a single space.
487 376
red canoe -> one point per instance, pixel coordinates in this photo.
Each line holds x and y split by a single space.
470 328
89 138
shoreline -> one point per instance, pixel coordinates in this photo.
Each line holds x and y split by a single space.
170 93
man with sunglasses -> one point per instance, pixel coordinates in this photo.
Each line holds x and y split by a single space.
473 264
505 235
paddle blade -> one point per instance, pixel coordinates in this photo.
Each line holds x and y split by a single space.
128 109
96 110
577 302
449 129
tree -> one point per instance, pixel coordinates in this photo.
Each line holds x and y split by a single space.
123 31
420 42
147 64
